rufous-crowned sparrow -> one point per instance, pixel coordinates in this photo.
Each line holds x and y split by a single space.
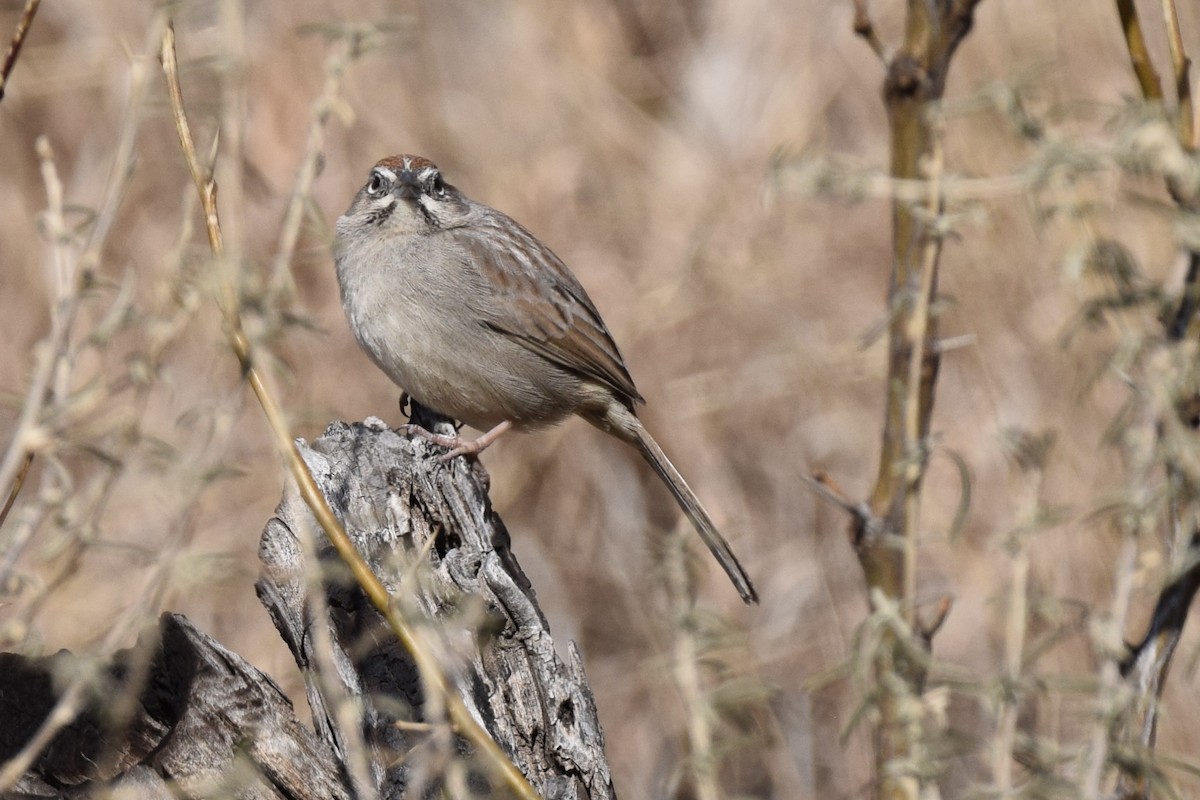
478 320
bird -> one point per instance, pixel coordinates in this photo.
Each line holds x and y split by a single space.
475 318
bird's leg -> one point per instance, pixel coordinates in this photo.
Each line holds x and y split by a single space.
458 445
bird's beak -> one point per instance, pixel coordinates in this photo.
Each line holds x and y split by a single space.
408 186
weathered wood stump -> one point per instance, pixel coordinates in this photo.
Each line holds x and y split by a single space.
204 722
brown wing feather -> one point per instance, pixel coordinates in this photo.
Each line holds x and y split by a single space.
541 304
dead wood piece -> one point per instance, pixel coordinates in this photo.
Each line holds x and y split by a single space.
203 717
428 531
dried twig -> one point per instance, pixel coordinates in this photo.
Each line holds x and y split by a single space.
916 79
73 698
864 27
1181 65
14 47
1182 318
51 354
1016 621
686 661
916 417
349 46
1146 665
47 404
18 482
1139 54
1108 634
494 757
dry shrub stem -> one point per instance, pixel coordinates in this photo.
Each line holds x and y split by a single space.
230 170
52 355
864 27
405 631
922 359
17 483
886 540
1139 54
1107 695
1046 738
1147 75
1181 65
49 407
686 667
1146 665
73 698
20 453
345 52
1014 639
18 39
1186 311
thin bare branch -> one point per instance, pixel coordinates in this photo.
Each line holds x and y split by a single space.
686 663
74 696
1170 612
915 82
941 611
348 47
825 486
1108 638
1139 54
1181 66
919 325
51 353
69 704
1147 664
14 47
864 27
230 170
18 482
1182 318
1015 629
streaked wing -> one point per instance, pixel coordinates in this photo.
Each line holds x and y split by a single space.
540 303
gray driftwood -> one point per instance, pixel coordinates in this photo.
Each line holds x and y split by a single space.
206 715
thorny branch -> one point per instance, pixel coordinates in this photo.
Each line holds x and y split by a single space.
915 81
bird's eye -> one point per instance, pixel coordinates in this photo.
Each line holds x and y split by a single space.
438 186
376 185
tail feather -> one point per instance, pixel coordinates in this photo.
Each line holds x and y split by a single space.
695 512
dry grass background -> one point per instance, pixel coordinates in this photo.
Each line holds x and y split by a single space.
670 165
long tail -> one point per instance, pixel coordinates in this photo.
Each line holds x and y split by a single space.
691 506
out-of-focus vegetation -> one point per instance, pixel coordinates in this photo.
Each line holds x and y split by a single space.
713 173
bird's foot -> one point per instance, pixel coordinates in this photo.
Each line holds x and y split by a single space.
457 445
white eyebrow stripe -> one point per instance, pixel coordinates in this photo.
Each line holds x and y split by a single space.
387 173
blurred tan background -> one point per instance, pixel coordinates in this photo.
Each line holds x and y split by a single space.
661 147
